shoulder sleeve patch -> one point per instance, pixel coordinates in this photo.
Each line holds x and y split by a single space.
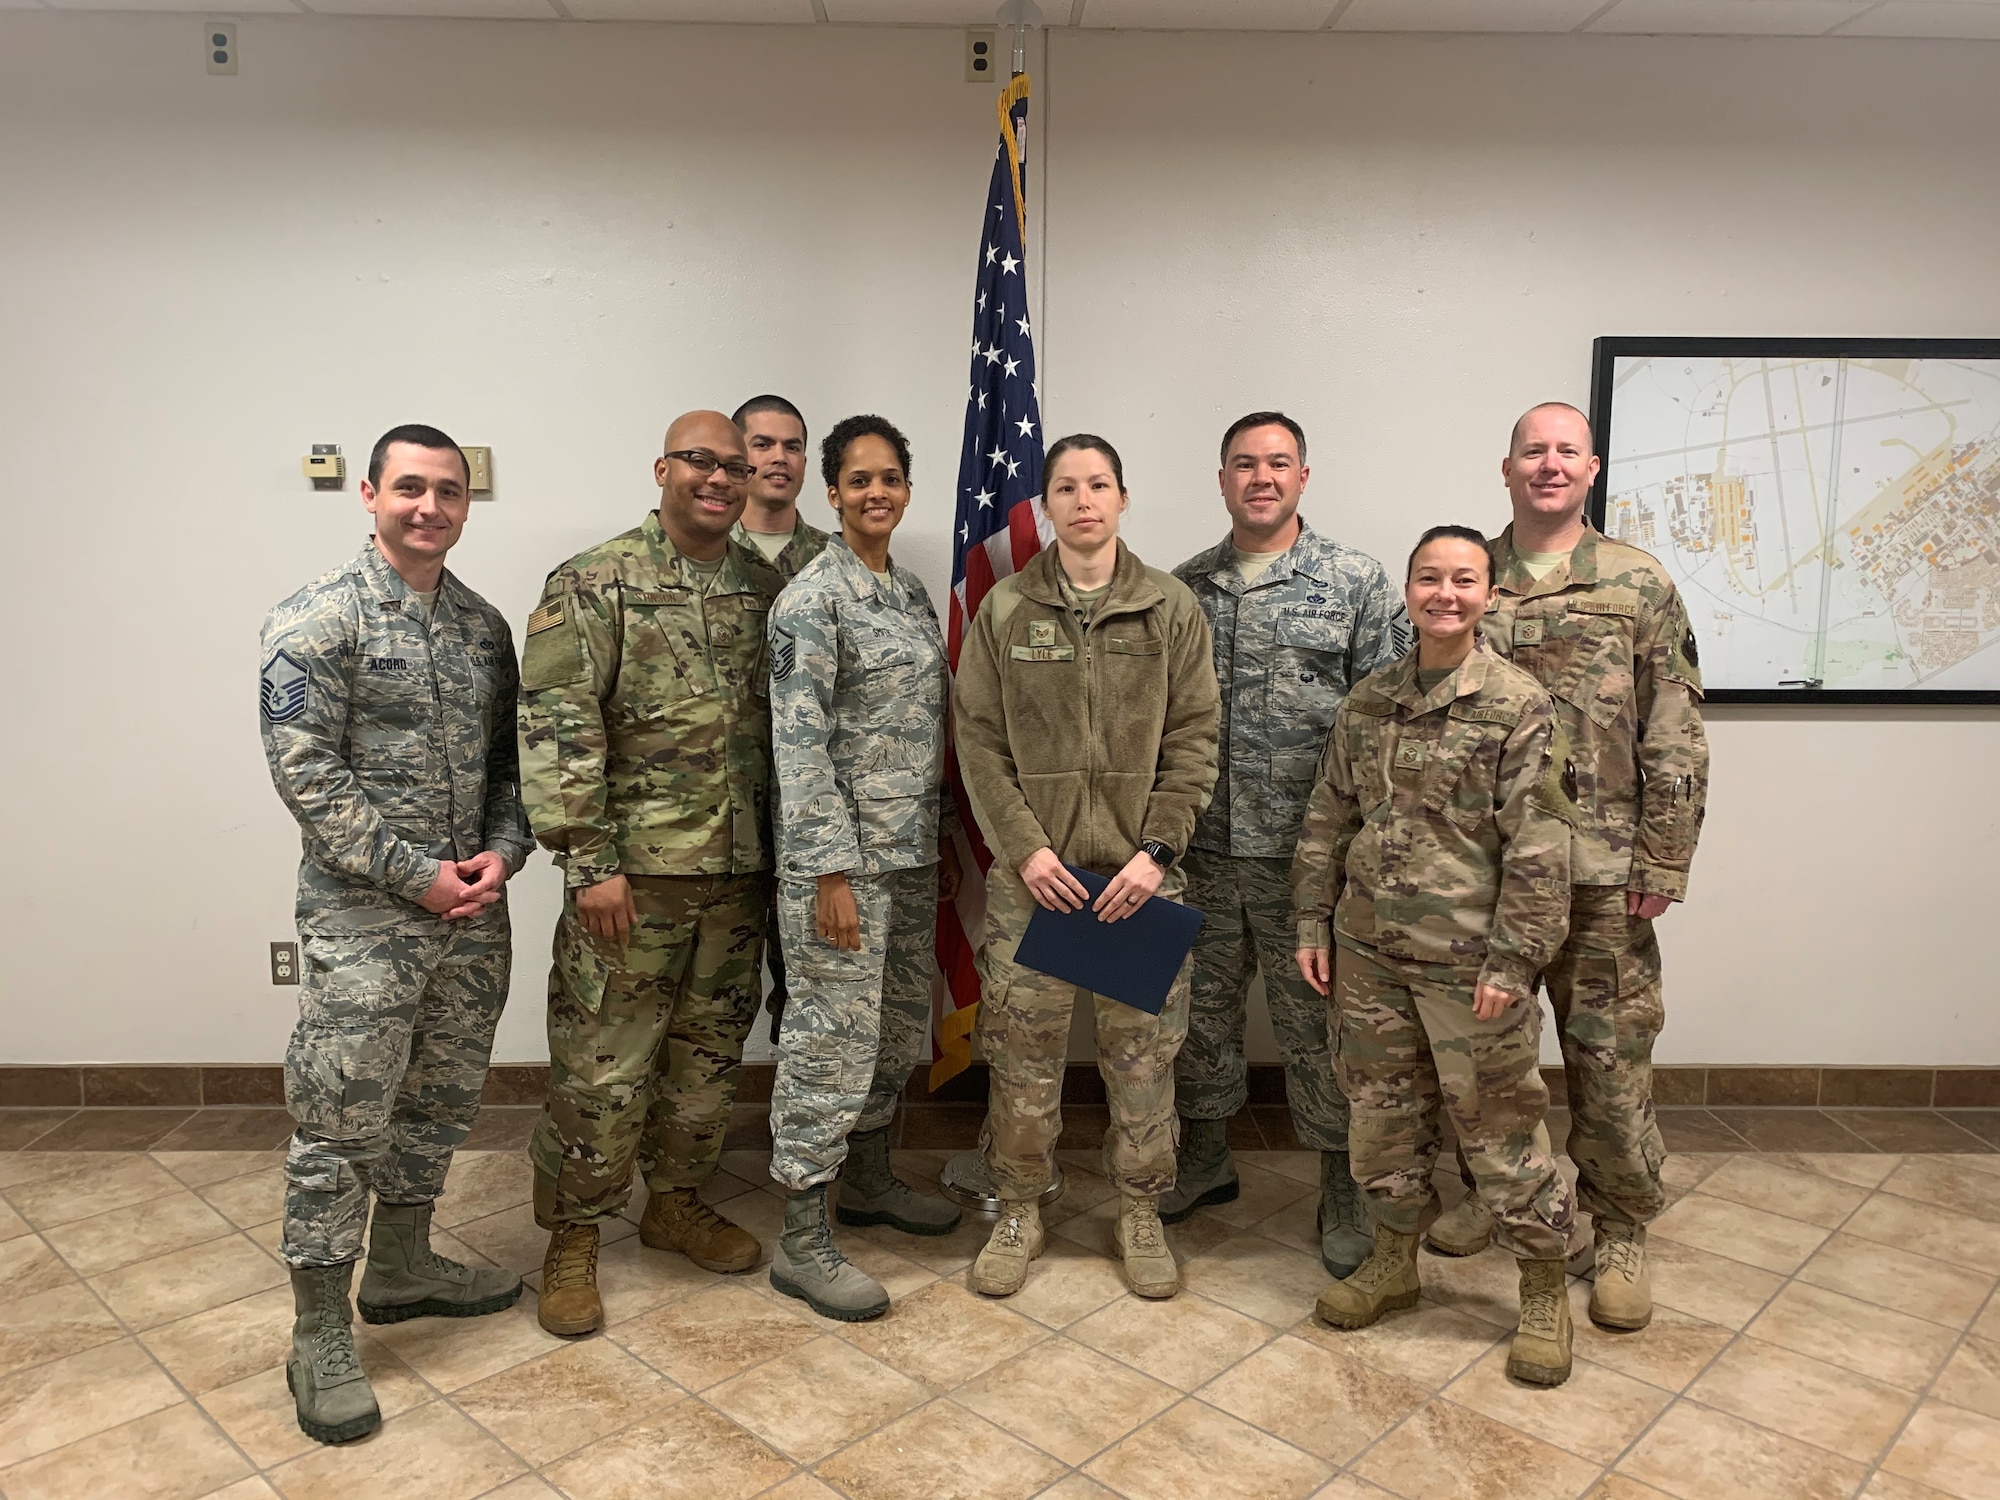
547 617
282 686
784 653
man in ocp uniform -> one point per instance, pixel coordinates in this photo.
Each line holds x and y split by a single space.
1599 624
1298 619
387 701
646 764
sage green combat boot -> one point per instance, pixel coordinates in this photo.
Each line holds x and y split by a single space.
808 1265
1002 1267
1346 1233
405 1278
872 1194
1205 1171
1622 1296
328 1385
1384 1282
1540 1352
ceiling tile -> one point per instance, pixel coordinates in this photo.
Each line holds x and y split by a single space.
932 12
1728 17
1971 19
797 12
1466 15
1208 15
482 10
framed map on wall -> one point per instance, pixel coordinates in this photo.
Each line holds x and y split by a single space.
1829 508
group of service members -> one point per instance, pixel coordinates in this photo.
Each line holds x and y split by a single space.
1407 809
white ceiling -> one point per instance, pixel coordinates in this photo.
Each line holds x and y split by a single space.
1959 19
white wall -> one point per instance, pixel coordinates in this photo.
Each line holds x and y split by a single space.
550 239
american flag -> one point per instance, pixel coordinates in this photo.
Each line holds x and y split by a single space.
996 531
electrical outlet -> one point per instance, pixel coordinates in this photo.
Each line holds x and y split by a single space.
218 40
479 471
284 963
982 52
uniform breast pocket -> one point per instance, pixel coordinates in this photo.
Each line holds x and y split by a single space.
1463 770
1134 659
660 662
1308 676
1593 666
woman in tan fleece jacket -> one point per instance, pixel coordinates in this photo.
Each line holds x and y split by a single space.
1087 715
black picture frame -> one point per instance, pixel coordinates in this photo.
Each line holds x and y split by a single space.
1609 349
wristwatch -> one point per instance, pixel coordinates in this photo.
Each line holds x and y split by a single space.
1161 854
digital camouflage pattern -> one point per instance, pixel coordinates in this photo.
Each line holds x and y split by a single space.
1410 1048
646 1043
645 712
1439 832
1288 649
858 1024
389 735
384 1072
1023 1031
807 542
1607 635
1248 902
859 694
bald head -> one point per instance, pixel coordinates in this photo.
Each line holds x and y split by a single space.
705 429
1553 409
1550 466
696 508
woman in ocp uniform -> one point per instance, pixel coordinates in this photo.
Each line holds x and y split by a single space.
1087 716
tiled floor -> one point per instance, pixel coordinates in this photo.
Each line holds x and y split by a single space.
1827 1328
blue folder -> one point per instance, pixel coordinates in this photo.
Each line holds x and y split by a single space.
1133 960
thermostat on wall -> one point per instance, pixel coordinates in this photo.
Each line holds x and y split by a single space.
324 466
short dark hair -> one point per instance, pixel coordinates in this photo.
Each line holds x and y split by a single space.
1082 441
1514 437
421 436
778 404
834 447
1461 533
1264 419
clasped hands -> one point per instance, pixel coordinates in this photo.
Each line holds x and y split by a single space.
1055 889
465 887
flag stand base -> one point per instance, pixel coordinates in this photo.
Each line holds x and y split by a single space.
966 1181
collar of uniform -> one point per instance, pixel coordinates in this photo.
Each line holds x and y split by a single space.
733 579
387 583
1303 559
1399 682
861 579
1131 588
1513 577
801 528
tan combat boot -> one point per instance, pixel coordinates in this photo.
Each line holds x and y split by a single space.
1149 1265
1002 1267
1466 1230
1386 1281
679 1220
569 1304
1540 1352
1622 1298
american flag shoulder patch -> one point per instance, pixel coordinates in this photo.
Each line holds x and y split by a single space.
547 617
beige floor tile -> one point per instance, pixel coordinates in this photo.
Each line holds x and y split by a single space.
1859 1169
512 1239
62 1321
1669 1352
1684 1171
1261 1192
1929 1230
1886 1486
452 1353
12 1225
1068 1282
140 1232
527 1487
708 1338
1697 1454
90 1183
1987 1324
632 1279
1618 1487
560 1401
1273 1283
1065 1399
200 1168
1075 1487
1758 1183
482 1183
1195 1452
1971 1378
1595 1414
942 1254
261 1418
1808 1399
1943 1181
228 1343
1713 1288
1888 1277
944 1335
29 1266
940 1452
1487 1285
1945 1447
1427 1345
687 1452
252 1199
856 1395
1082 1191
18 1168
432 1453
1347 1487
1184 1342
57 1403
1857 1336
170 1287
172 1454
1300 1166
1750 1235
1313 1398
1446 1452
1296 1224
252 1488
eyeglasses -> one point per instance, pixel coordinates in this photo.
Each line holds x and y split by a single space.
705 463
